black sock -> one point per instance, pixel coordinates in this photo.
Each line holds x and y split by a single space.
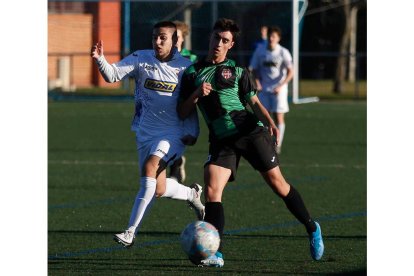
296 206
215 216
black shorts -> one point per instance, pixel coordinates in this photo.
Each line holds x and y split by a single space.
257 147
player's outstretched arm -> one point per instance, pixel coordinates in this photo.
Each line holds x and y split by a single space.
107 71
263 115
97 50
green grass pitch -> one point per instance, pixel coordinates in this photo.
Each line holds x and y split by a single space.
93 178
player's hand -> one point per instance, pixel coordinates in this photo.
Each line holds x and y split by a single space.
204 89
274 131
97 50
277 89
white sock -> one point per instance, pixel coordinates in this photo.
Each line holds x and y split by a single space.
144 197
281 128
175 190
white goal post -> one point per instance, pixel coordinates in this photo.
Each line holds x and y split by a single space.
297 16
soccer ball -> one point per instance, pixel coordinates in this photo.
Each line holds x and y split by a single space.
200 240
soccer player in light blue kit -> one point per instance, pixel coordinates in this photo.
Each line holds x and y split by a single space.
160 134
272 66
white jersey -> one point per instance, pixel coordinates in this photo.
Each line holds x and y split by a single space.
156 93
271 65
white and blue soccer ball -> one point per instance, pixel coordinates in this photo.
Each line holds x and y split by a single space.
200 240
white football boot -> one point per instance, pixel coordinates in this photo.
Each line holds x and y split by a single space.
196 202
126 238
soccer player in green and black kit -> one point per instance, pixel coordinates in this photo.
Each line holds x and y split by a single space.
221 89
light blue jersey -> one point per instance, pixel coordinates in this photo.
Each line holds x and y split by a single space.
271 65
156 93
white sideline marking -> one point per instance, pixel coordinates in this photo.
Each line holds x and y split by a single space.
132 163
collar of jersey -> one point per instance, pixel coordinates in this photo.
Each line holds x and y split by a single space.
175 55
275 49
220 63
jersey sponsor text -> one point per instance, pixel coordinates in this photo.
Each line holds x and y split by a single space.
163 86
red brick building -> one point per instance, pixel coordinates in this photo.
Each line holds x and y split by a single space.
73 27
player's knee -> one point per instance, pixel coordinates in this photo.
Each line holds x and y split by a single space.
213 194
150 169
281 187
160 191
277 182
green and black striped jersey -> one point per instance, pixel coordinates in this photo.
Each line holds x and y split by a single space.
224 109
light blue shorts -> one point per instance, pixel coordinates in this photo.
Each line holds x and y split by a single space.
275 102
168 149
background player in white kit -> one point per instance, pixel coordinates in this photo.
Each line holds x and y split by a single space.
160 135
273 69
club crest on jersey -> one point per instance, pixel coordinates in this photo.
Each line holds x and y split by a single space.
226 73
162 86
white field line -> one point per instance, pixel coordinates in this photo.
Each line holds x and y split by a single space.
132 163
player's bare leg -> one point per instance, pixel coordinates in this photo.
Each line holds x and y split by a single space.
280 123
152 182
276 181
215 178
171 188
155 183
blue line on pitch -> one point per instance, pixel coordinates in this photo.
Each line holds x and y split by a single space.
293 223
58 256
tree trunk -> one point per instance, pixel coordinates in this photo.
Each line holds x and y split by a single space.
343 51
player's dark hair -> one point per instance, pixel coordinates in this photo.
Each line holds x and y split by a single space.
161 24
225 24
274 29
167 24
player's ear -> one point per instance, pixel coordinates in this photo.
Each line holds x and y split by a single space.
231 45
